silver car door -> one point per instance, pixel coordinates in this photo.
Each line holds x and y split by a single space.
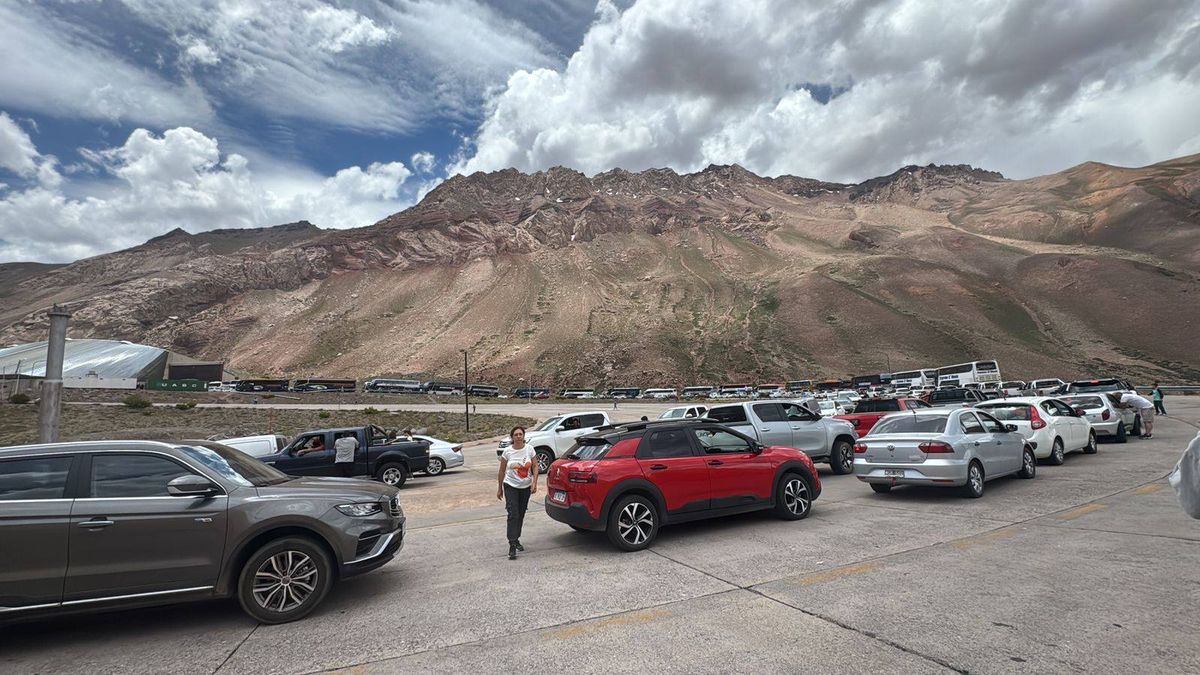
808 430
978 442
772 426
1007 446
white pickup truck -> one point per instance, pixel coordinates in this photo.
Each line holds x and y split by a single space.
552 438
789 424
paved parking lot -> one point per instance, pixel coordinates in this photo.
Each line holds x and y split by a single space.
1089 567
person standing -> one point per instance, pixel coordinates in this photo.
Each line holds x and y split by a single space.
344 449
516 481
1144 408
1157 396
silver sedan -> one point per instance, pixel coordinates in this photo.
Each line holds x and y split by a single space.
953 447
442 455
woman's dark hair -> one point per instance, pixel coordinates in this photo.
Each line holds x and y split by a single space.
514 430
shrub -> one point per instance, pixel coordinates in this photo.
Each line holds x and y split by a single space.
371 411
19 398
136 402
323 415
186 405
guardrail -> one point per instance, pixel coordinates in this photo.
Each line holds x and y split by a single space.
1173 388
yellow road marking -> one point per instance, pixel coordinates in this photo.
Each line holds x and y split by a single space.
1081 511
1148 489
643 616
986 537
836 573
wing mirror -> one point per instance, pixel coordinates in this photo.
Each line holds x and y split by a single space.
757 448
561 427
1010 427
191 485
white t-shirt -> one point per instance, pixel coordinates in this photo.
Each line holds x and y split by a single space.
1136 401
519 472
345 447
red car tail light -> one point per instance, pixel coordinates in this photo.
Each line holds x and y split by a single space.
1105 415
936 448
860 448
1035 419
457 448
581 476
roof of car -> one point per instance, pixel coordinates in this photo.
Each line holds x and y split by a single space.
54 448
1018 399
931 412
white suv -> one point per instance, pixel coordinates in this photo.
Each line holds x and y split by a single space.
551 439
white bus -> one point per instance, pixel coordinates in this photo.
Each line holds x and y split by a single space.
394 386
697 391
974 372
660 394
914 379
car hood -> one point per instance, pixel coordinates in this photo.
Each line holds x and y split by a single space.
329 488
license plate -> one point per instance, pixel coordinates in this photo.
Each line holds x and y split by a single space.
894 473
559 496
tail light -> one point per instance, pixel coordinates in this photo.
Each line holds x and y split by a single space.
581 476
860 448
936 448
1105 415
1035 419
457 448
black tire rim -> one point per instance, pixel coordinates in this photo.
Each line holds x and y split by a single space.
847 458
285 581
435 467
635 523
795 496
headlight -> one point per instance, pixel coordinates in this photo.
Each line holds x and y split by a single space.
361 510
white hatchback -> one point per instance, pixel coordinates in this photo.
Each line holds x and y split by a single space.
1051 427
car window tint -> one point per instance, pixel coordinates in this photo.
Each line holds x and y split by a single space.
1017 412
991 425
666 444
914 403
885 405
769 412
716 441
34 478
1048 406
133 475
796 412
728 414
589 421
1063 409
969 424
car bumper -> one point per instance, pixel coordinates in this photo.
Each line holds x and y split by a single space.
386 548
454 460
575 515
944 472
1108 428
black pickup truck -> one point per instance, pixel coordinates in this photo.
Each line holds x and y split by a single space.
383 457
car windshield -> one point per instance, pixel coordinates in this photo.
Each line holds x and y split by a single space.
1017 412
235 466
1085 402
889 405
549 424
910 424
1098 385
588 449
673 413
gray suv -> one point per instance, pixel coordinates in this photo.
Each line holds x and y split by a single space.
108 524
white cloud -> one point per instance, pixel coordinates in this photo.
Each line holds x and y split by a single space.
50 67
339 29
153 183
423 162
1020 86
196 50
17 151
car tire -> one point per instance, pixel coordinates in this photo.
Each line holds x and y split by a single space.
1028 463
1137 426
1122 435
544 458
841 457
793 496
392 473
881 488
633 523
1058 454
436 466
268 587
974 486
1091 448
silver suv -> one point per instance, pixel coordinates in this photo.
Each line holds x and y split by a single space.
108 524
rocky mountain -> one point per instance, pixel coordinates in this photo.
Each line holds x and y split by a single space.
655 276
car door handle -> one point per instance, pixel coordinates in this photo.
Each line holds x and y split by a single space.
715 462
658 467
977 444
95 524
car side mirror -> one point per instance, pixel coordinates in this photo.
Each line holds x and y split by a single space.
191 485
757 448
561 427
1010 427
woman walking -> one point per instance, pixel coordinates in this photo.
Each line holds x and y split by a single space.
516 480
1157 396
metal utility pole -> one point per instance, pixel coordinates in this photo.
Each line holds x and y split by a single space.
52 383
466 392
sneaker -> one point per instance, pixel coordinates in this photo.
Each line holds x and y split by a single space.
520 547
512 552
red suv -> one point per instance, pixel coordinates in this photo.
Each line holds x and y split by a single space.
628 480
869 411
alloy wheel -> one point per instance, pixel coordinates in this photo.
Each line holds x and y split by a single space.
435 467
1029 461
392 476
635 523
847 458
795 496
543 463
285 581
976 479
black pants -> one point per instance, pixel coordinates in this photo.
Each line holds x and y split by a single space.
516 501
1158 408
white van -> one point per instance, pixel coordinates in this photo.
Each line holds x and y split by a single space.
257 446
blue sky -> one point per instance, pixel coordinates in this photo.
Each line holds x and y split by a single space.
123 119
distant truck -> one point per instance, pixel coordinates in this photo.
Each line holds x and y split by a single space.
791 425
380 456
551 439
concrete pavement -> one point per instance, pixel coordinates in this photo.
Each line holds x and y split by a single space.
1089 567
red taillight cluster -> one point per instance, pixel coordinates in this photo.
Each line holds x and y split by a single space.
457 448
860 448
581 476
1035 419
936 448
1105 415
